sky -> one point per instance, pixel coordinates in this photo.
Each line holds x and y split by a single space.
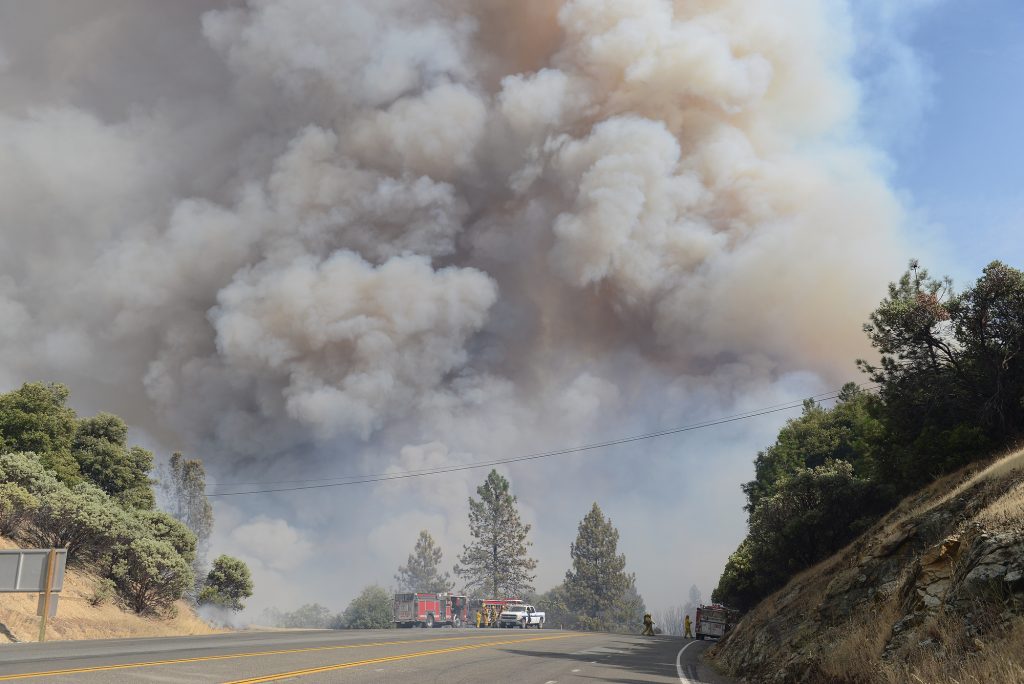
308 239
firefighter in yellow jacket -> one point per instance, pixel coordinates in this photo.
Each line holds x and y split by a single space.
648 625
686 623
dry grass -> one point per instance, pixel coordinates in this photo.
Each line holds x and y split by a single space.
76 619
855 650
960 660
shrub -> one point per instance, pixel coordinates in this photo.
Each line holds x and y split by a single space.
372 609
16 507
150 574
103 591
227 584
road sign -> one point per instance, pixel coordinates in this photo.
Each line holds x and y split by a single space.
54 600
25 570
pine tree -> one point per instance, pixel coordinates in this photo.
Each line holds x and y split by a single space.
184 484
497 559
422 571
598 576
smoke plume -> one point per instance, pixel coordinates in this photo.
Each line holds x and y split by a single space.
305 237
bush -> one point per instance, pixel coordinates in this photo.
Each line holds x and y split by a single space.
227 584
150 574
103 591
372 609
16 508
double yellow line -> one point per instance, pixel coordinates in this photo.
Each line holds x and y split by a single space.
390 659
297 673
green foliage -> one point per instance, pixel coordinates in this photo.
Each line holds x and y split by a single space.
227 584
35 418
17 505
372 609
497 559
150 574
163 527
422 571
848 432
310 616
83 519
103 591
951 371
598 576
101 450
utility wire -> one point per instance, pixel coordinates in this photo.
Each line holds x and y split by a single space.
794 403
402 475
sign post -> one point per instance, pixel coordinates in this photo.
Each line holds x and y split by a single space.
51 561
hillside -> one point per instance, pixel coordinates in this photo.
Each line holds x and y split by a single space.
934 592
76 619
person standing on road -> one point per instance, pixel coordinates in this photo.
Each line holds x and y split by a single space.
687 625
478 617
648 625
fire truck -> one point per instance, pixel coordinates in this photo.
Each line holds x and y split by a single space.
712 621
430 610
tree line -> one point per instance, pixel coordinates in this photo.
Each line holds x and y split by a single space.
76 483
597 593
950 392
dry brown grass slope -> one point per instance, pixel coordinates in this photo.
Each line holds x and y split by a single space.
77 619
934 592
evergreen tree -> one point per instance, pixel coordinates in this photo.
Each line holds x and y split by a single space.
598 576
370 610
184 484
36 418
227 584
497 559
103 455
422 571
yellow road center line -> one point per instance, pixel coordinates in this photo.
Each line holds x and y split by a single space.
390 659
227 656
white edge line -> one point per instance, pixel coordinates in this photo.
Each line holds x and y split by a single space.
679 668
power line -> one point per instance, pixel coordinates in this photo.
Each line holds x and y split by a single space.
384 477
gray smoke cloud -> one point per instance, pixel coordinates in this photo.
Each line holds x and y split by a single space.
303 237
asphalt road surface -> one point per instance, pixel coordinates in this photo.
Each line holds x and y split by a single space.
451 656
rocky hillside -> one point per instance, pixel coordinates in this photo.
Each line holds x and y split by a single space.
934 592
77 618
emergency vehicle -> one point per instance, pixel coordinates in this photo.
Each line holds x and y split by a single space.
712 621
429 610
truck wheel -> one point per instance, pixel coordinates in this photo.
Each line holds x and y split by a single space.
430 619
701 637
540 625
523 623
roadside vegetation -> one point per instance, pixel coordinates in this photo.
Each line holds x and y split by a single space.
597 594
948 391
76 483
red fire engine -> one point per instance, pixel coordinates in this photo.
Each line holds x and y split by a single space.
429 610
713 621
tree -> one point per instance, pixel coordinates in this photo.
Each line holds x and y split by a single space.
151 575
227 584
370 610
17 505
183 482
598 577
497 559
310 615
422 571
101 450
35 418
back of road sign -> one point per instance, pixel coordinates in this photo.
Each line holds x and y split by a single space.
25 570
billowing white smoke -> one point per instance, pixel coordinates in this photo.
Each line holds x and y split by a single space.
499 225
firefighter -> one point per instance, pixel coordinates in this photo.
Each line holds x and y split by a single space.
479 617
686 623
648 625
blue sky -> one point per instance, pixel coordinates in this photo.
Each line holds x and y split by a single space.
960 160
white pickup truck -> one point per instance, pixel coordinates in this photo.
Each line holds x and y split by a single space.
522 616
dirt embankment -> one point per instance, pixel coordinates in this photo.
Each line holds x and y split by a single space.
77 619
934 592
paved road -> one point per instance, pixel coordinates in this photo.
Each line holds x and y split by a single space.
451 656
